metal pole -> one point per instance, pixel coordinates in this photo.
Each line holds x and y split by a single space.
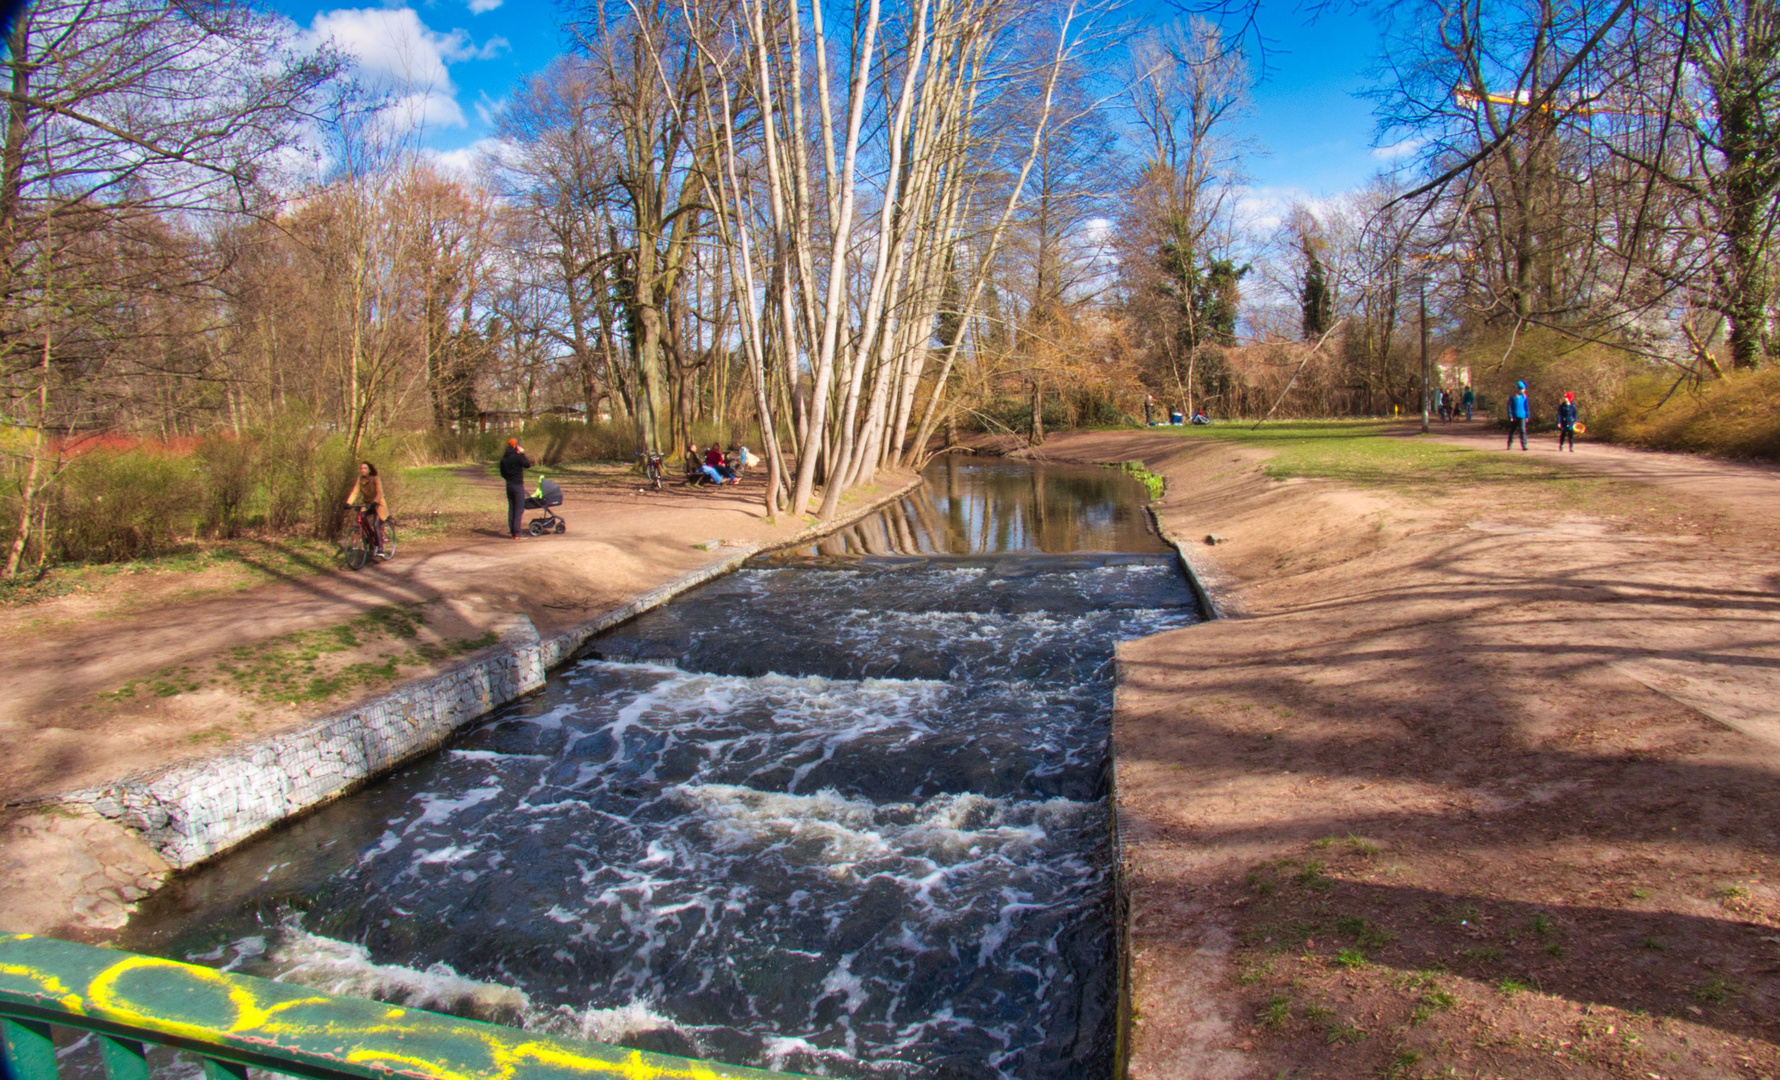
1422 288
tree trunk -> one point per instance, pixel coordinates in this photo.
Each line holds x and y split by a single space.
655 408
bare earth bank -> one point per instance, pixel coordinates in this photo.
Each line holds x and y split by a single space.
1476 784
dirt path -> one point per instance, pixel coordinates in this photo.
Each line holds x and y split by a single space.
1749 490
1454 794
99 698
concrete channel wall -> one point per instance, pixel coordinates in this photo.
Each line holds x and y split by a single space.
191 811
1209 609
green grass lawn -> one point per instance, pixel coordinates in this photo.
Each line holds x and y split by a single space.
1379 453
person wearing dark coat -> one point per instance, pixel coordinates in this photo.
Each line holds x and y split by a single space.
1567 422
513 466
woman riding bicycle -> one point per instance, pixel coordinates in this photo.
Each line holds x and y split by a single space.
370 485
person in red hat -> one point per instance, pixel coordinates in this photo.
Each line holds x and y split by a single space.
1567 422
513 466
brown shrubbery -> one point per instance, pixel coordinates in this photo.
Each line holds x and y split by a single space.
1736 417
1550 363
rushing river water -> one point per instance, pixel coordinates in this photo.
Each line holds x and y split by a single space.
842 812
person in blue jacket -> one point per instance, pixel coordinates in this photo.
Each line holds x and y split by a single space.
1567 422
1517 416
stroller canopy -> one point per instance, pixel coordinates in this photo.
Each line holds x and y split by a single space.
549 494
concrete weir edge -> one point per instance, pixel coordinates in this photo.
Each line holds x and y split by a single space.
194 810
1210 610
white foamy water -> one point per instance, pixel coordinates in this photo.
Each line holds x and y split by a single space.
847 820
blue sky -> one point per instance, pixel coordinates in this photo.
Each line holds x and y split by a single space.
466 56
1316 132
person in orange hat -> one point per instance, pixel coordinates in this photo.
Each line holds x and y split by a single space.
513 466
1567 422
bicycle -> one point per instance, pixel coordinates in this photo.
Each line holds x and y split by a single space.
361 538
651 468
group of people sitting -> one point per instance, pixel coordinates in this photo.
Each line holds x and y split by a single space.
716 467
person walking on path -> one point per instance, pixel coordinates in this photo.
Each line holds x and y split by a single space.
1567 422
1470 401
1517 416
513 466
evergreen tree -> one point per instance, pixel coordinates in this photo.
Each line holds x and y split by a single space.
1314 299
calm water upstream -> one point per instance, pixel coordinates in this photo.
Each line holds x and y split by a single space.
842 812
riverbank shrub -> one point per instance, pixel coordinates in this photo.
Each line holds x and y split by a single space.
1738 416
1137 470
108 498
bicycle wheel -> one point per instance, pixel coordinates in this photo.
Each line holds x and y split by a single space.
356 552
389 539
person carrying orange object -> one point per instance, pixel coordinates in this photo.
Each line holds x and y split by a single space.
1567 422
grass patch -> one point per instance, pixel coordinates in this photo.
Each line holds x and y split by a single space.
1377 453
1403 1064
295 668
1714 991
1350 959
1251 970
1311 877
1510 987
1366 933
1431 1002
433 653
257 562
1276 1013
1137 470
1359 846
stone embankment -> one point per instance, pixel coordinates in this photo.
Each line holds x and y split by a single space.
190 811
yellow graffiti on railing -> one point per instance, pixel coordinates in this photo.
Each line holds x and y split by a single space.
391 1039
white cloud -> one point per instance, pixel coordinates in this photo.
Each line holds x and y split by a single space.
493 47
398 54
1263 209
488 110
464 161
1398 150
429 108
483 7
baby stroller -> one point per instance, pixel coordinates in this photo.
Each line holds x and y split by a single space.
548 495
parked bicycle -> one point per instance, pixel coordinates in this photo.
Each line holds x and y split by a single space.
651 468
362 540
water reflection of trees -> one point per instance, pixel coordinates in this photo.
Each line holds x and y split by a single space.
967 508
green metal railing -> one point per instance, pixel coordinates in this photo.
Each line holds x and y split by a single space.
234 1022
